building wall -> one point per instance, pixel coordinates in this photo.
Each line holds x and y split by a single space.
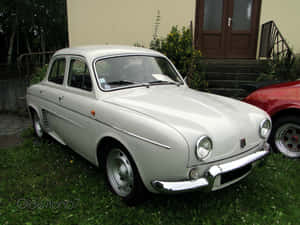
124 22
286 15
131 21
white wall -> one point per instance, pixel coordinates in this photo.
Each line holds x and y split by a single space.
286 15
124 21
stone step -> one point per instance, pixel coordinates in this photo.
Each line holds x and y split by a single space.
231 76
233 68
235 61
228 83
227 77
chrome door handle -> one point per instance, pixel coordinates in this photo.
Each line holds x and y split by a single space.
229 21
60 98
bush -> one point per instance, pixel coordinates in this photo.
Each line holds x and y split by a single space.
178 47
295 70
39 74
281 70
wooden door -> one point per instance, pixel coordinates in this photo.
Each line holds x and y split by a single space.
227 28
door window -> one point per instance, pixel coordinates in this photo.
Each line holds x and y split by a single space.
79 75
242 14
213 13
57 72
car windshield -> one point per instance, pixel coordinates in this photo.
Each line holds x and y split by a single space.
129 71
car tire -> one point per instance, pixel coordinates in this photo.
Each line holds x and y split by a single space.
37 126
285 136
123 176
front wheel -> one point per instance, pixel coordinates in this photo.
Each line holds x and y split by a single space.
123 176
285 136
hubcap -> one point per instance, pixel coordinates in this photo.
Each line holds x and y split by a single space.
119 172
37 126
287 140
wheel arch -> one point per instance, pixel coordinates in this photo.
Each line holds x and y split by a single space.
103 146
289 111
32 109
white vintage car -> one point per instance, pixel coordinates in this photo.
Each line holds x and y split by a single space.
129 110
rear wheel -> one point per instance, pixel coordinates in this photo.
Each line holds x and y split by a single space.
123 177
285 136
37 126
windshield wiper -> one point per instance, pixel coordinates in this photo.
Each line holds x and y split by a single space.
165 82
120 82
128 82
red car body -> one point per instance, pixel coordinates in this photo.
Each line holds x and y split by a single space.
276 98
282 103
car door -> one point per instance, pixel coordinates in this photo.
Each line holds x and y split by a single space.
50 94
77 102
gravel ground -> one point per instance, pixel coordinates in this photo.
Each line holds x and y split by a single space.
11 126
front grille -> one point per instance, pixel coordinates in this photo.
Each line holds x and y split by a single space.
235 174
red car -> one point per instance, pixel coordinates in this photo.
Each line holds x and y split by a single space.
282 102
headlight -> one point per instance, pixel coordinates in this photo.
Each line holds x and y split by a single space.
203 147
265 128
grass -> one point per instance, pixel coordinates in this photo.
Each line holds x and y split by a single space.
42 182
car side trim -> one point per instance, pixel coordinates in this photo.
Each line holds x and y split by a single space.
62 117
135 135
107 124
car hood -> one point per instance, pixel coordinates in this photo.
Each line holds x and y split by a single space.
193 114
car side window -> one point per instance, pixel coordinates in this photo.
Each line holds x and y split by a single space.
79 75
57 72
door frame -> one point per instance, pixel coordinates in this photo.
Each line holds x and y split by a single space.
199 21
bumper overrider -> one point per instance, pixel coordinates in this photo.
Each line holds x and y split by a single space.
212 176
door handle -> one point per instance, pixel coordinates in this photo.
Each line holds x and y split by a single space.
60 98
229 21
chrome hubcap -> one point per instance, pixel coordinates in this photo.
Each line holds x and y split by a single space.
37 126
287 140
119 172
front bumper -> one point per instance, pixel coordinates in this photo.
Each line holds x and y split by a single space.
212 175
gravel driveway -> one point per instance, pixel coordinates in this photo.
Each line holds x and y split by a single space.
11 126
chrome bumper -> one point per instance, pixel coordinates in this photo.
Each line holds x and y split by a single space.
207 182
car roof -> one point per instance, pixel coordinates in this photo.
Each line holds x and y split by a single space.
98 51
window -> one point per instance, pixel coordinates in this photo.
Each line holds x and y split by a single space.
131 71
213 13
79 76
57 71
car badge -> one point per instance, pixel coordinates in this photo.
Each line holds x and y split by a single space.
243 143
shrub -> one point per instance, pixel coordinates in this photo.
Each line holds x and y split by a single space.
281 70
295 70
39 74
178 47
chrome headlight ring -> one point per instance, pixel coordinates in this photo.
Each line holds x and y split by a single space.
203 148
265 128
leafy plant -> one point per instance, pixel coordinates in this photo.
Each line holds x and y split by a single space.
156 25
39 74
295 70
178 47
137 44
281 70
